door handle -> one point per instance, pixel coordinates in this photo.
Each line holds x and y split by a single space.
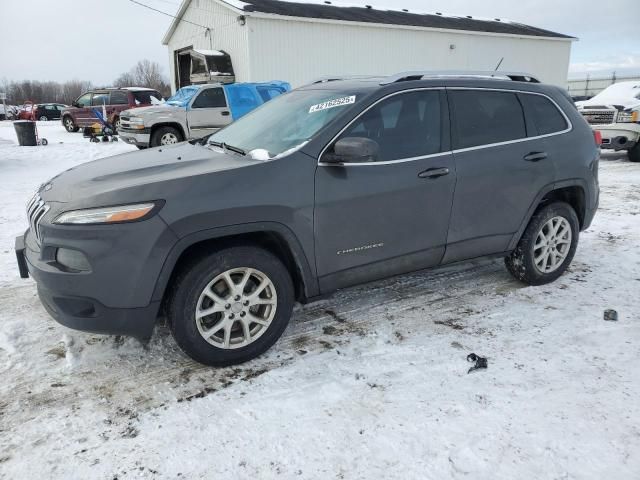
535 156
225 113
434 172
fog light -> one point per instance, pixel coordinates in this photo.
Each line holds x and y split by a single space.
73 259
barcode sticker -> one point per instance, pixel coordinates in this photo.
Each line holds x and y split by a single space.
338 102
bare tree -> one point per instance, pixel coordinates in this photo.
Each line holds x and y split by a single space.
145 74
125 80
41 92
73 89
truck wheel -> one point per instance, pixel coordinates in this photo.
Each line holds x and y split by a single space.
69 124
547 246
230 306
634 153
165 136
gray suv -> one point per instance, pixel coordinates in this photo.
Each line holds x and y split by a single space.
335 184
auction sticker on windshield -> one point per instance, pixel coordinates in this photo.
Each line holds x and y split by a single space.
338 102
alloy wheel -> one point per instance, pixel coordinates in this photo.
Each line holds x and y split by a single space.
168 139
236 308
552 244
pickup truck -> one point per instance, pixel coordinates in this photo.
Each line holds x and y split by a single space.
615 113
195 111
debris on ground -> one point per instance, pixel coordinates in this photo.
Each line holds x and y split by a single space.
611 315
481 362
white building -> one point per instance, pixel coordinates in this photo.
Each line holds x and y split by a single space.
300 42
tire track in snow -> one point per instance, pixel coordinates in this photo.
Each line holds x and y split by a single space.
135 378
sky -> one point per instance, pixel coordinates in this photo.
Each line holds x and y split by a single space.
97 41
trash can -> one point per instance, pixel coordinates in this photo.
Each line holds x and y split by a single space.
26 132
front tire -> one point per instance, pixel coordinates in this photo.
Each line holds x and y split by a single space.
634 153
547 246
69 125
231 305
166 136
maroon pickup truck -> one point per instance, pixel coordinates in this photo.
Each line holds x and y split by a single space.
115 100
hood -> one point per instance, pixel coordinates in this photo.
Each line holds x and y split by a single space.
623 94
141 174
153 110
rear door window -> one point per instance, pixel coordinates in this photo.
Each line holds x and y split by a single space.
210 98
100 99
485 117
407 125
544 114
118 97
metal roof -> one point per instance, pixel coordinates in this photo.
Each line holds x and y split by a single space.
367 14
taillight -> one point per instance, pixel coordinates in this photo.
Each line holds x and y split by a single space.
597 136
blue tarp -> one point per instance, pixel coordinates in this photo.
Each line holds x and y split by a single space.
244 97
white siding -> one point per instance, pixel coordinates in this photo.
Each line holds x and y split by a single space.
300 51
227 34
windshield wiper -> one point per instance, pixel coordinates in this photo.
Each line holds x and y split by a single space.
226 147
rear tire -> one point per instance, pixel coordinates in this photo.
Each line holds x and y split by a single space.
634 153
228 335
70 125
43 118
547 246
166 136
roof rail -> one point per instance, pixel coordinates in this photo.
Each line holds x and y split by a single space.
417 75
342 77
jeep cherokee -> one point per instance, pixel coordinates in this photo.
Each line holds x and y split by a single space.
334 184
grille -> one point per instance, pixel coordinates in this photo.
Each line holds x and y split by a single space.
36 210
599 117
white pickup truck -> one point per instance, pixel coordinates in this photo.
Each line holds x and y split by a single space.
615 113
195 111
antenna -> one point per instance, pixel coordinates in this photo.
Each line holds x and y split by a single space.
499 63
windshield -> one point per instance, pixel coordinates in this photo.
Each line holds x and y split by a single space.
287 122
182 97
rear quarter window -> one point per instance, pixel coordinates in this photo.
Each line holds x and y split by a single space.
544 115
144 96
486 117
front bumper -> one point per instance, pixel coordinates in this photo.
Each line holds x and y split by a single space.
115 295
140 138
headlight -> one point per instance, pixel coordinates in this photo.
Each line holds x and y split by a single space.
119 214
136 123
628 117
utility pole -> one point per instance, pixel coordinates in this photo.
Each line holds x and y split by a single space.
613 78
586 87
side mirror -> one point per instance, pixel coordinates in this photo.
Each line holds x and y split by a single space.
75 104
353 149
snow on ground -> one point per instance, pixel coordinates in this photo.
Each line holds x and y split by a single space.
370 383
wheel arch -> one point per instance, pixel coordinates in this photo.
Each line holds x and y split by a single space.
274 237
175 125
572 192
